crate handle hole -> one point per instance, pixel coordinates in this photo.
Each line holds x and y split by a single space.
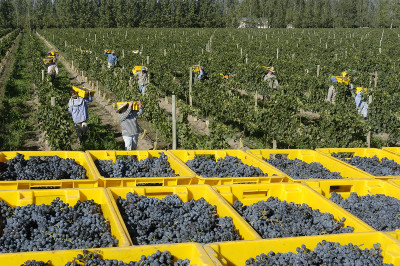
158 194
45 187
278 156
149 184
255 193
343 155
345 188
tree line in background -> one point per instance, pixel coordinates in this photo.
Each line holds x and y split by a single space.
200 13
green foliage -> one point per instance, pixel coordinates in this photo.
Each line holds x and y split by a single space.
199 14
231 101
13 123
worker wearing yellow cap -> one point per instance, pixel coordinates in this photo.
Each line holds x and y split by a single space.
361 101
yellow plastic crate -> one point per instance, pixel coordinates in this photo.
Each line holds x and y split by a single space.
83 91
246 158
395 150
236 253
185 175
70 196
135 105
361 186
291 192
192 251
395 182
196 68
48 59
79 157
394 234
365 90
108 51
136 69
344 80
54 53
363 152
311 156
187 193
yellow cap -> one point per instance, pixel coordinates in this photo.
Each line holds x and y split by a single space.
345 73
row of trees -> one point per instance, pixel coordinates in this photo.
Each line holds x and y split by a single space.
199 13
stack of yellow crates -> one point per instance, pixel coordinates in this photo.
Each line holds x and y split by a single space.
217 191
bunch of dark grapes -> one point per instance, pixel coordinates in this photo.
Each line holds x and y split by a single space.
158 258
299 169
230 166
274 218
373 165
325 253
170 220
36 263
149 167
54 227
379 211
36 168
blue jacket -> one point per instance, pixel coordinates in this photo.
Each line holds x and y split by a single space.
78 109
111 58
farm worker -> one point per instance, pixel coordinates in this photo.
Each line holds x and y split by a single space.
52 69
143 79
111 59
77 106
202 75
271 78
344 79
361 101
129 124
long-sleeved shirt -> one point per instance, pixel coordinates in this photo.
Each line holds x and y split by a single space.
78 109
272 81
111 58
361 105
143 77
129 122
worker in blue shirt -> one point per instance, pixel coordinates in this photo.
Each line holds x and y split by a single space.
77 106
111 59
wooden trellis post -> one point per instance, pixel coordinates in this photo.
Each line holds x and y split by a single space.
173 122
190 85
